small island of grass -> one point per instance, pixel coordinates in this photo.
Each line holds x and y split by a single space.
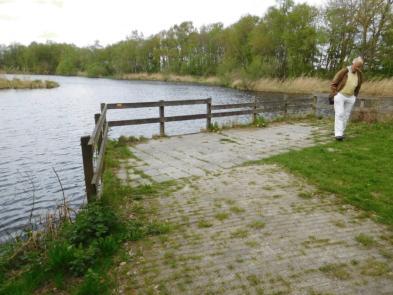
26 84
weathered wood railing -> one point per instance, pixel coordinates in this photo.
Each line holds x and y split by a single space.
93 146
93 152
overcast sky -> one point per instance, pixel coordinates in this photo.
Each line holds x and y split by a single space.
83 21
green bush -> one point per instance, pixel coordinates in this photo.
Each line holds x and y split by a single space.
60 255
97 70
66 67
82 259
94 222
260 122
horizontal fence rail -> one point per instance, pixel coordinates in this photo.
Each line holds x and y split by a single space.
167 103
94 146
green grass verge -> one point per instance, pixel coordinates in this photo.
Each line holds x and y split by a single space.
77 256
359 169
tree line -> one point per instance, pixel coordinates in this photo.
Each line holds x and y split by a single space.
290 40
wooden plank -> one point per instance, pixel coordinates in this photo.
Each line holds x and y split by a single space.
133 122
254 109
300 105
97 130
88 169
232 106
96 119
235 113
156 120
101 156
208 113
133 105
185 118
162 118
146 104
171 103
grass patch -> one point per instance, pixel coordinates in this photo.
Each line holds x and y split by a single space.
239 234
360 170
204 223
338 271
313 242
257 224
305 195
365 240
228 140
259 122
170 259
374 268
339 223
221 216
236 209
253 280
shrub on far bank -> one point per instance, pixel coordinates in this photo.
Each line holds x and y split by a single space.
26 84
97 69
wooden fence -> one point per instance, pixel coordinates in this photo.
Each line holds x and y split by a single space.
93 146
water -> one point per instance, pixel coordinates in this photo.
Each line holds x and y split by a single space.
40 131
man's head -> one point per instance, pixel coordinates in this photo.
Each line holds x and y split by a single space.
357 64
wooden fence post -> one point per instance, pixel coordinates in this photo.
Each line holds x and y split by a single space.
362 102
208 113
87 155
254 112
285 105
314 105
96 118
102 108
162 118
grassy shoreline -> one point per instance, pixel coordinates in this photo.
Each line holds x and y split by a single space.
26 84
300 85
74 256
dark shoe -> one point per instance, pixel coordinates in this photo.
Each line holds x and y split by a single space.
339 138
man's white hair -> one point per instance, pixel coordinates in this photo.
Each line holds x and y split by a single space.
358 60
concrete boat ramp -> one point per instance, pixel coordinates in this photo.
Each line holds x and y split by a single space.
248 229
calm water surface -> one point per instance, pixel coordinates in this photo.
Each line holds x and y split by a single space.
40 131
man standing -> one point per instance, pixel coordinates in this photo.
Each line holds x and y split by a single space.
345 88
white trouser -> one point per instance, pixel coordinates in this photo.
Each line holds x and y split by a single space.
342 108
